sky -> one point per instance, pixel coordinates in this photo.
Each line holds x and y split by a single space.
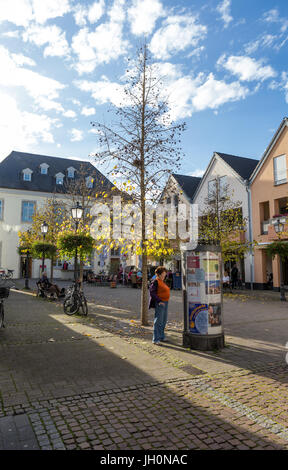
223 64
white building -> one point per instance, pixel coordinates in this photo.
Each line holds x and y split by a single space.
26 181
234 172
179 189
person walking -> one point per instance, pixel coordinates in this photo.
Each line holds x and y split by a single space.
159 297
234 276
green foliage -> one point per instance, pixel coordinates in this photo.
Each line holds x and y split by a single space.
24 249
41 248
278 248
68 242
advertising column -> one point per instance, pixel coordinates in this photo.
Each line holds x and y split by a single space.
203 322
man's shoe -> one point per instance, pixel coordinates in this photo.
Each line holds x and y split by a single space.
157 343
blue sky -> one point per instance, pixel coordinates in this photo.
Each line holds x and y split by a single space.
223 62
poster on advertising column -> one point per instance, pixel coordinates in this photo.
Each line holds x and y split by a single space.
204 292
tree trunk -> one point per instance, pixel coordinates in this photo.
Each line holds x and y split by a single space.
144 296
81 272
51 269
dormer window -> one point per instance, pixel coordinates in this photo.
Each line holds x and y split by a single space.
89 182
44 168
27 174
59 178
71 172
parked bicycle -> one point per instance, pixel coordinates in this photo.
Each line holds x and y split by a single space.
75 300
8 275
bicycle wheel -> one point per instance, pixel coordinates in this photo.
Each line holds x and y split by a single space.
1 315
84 306
71 305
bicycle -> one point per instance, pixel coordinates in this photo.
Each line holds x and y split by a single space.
8 275
4 293
74 300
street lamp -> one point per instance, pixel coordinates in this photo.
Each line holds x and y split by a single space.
44 230
76 213
279 227
27 265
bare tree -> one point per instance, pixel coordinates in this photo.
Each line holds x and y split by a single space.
143 144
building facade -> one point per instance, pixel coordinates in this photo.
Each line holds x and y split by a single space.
26 182
269 194
231 174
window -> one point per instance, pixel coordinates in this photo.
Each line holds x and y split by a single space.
59 178
70 172
222 186
176 201
44 168
28 208
280 169
89 182
168 200
1 209
27 174
211 190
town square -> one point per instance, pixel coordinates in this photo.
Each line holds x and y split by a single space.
143 228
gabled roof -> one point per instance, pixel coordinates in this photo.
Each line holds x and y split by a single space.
189 184
242 165
284 123
11 169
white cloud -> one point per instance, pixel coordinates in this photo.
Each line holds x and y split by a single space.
20 59
88 111
70 113
42 89
96 11
104 91
186 94
44 10
101 46
273 16
76 135
281 85
49 104
143 15
198 172
23 12
51 35
11 34
92 13
18 12
176 34
21 130
224 9
246 68
214 93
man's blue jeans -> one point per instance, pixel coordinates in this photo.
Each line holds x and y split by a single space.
160 320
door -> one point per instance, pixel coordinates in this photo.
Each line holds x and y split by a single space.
285 272
23 267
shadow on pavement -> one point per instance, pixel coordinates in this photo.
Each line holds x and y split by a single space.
50 368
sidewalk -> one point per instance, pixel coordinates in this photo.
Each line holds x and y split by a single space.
99 382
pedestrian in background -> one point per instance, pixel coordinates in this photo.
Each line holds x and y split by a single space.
159 297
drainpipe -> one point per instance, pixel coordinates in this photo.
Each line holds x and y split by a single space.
246 182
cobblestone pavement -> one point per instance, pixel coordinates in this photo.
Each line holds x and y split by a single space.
99 382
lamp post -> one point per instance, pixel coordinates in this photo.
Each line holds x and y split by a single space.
44 230
76 213
26 270
279 228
